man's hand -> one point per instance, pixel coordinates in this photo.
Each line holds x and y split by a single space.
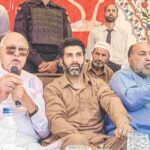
20 94
123 130
12 84
7 85
50 66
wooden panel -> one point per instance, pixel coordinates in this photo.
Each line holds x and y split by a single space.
47 77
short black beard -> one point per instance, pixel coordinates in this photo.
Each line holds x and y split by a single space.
66 69
110 20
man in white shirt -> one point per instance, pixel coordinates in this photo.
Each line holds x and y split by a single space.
26 88
118 38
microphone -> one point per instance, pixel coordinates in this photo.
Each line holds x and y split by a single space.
15 70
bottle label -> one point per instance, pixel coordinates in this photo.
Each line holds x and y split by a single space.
8 134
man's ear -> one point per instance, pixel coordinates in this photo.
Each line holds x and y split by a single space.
129 59
0 54
92 52
61 62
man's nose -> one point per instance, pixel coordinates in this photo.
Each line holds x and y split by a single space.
17 52
100 57
148 57
75 58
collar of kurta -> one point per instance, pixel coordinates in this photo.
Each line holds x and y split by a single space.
39 2
105 28
65 81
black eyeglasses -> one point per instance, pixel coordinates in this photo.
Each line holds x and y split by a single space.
10 50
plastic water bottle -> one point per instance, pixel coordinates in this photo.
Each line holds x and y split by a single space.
137 141
8 128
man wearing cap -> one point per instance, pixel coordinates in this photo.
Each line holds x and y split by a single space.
98 68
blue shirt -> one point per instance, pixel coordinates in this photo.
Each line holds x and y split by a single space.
134 91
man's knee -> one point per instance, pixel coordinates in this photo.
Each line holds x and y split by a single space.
75 139
78 139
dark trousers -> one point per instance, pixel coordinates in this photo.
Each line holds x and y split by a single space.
115 67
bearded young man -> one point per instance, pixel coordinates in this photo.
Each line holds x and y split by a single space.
98 67
133 87
112 34
75 105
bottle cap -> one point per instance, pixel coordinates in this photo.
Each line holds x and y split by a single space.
7 110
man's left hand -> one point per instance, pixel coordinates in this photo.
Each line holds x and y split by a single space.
123 130
20 94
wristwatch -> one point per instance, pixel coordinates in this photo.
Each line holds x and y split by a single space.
34 112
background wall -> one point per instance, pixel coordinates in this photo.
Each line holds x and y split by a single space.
134 16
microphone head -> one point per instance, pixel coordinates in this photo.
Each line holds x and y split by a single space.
15 70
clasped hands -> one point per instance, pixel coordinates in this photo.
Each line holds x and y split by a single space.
50 66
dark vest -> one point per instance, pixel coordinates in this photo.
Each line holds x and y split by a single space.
47 26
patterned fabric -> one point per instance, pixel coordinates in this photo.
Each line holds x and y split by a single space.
138 15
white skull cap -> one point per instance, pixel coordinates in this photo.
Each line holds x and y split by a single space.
102 44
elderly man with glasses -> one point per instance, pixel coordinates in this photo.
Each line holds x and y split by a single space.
26 88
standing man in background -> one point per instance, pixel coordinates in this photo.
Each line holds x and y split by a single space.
45 25
4 21
116 37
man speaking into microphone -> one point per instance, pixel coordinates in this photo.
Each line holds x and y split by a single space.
19 85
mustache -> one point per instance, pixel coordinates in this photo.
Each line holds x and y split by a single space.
110 16
16 60
98 61
72 66
75 64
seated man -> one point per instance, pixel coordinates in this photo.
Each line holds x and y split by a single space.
98 66
27 88
133 87
75 104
